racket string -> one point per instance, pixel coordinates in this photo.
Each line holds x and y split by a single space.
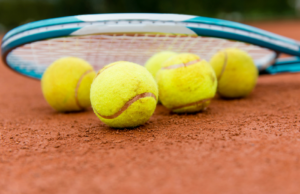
100 50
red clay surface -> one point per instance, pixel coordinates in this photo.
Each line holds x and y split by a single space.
240 146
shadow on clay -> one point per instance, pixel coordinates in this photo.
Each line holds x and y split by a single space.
51 111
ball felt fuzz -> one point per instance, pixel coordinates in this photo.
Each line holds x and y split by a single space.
236 72
186 83
124 95
154 63
66 84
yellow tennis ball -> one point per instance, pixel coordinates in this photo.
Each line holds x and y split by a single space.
186 83
154 63
124 94
236 72
66 84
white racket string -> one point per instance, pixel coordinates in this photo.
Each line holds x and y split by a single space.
102 49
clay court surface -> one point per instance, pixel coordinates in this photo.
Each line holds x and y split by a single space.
243 146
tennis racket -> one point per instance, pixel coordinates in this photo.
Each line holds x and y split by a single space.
104 38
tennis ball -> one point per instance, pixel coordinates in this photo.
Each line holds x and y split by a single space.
66 84
186 83
124 95
236 72
154 63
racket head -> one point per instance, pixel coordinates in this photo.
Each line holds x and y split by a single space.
105 38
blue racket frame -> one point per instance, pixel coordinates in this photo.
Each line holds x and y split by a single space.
201 26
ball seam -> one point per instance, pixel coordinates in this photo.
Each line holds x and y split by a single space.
126 105
77 87
223 66
182 64
191 104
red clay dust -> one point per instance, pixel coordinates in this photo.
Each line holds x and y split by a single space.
243 146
